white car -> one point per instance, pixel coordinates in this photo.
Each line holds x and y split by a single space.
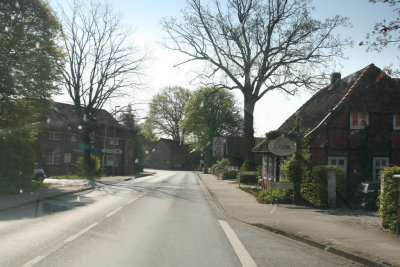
38 173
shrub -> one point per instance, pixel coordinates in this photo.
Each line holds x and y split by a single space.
247 179
281 196
214 169
315 186
229 175
224 162
16 161
94 166
388 200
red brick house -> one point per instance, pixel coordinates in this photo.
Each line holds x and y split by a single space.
353 120
170 155
58 147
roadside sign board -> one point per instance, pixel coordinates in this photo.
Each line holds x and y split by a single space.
217 148
111 151
84 146
282 185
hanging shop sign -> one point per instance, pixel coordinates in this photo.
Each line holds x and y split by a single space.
282 146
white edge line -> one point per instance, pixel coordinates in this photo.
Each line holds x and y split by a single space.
34 261
245 258
113 212
130 201
75 236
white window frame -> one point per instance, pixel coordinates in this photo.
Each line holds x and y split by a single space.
114 141
54 136
92 137
74 138
337 159
53 158
359 126
394 121
110 160
378 167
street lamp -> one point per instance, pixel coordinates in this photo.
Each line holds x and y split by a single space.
115 114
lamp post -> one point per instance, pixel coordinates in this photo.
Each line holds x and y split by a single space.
113 166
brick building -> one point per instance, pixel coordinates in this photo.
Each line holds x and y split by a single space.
353 120
58 147
170 155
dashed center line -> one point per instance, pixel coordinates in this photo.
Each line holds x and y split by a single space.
34 261
130 201
113 212
75 236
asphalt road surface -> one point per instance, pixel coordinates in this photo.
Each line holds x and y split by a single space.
159 220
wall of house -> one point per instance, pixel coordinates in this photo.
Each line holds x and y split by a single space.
336 139
58 151
161 157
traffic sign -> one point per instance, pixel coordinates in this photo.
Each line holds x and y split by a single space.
217 148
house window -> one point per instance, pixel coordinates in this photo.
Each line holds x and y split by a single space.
339 162
114 141
74 138
54 136
53 158
378 164
396 121
92 137
358 120
110 160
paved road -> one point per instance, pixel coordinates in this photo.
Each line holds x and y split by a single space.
159 220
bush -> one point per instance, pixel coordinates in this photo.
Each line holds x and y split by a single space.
247 179
281 196
315 186
94 166
229 175
224 162
16 161
388 200
214 169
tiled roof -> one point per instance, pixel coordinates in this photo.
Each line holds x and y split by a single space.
368 89
262 146
61 116
175 146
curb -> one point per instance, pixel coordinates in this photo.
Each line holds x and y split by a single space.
23 203
316 244
51 196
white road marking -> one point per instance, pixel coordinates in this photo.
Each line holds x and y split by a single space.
130 201
113 212
75 236
34 261
245 258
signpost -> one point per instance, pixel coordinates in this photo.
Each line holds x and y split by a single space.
217 148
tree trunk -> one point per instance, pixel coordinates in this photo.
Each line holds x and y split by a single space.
248 133
87 172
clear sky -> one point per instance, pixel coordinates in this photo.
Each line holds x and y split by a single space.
271 111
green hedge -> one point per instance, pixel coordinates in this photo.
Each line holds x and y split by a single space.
214 169
247 179
388 200
315 187
16 161
229 175
281 196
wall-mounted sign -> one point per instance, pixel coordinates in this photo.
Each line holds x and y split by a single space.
111 151
282 146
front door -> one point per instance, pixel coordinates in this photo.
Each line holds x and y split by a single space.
378 164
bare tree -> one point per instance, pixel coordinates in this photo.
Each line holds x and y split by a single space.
100 61
256 46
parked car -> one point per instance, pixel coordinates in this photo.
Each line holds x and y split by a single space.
38 173
369 192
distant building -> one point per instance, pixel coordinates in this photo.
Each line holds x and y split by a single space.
58 147
168 154
365 103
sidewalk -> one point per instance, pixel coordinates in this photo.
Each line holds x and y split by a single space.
58 187
353 234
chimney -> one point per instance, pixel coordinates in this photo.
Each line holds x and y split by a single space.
335 80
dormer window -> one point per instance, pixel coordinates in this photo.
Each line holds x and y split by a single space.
396 121
358 120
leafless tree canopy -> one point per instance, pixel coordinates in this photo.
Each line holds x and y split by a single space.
259 45
256 45
101 61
